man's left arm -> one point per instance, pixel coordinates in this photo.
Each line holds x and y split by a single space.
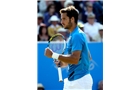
72 58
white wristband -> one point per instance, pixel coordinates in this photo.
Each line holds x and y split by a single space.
55 55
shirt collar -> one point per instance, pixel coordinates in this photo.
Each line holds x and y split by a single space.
76 28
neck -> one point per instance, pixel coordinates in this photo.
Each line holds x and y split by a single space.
91 23
50 13
72 28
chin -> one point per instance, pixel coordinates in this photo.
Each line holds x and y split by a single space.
66 27
63 26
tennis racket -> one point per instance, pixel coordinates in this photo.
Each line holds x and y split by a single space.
57 44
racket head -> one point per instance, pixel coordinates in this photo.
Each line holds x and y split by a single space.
57 43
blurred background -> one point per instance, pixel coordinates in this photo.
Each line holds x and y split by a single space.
90 18
48 23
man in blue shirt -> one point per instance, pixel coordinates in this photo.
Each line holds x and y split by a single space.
77 58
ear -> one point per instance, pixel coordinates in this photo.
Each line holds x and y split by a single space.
72 19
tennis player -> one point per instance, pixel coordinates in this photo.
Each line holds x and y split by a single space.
77 58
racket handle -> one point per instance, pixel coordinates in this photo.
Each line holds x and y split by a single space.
59 71
60 74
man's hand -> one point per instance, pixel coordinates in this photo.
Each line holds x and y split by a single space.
48 52
60 63
57 62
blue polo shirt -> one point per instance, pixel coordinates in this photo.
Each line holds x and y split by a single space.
77 41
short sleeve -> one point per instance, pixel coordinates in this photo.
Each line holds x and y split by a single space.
77 42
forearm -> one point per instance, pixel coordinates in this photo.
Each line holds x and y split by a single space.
70 59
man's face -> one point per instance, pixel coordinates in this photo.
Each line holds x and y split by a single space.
89 8
54 22
66 21
91 20
40 20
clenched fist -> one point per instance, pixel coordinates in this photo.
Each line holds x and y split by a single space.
48 52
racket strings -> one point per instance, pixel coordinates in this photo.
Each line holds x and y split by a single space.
57 44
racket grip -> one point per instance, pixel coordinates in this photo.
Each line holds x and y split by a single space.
60 74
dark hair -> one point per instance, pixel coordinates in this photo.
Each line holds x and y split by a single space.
41 28
71 12
40 88
49 6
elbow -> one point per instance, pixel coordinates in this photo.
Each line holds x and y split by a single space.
76 62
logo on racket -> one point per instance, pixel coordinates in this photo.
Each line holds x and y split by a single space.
56 48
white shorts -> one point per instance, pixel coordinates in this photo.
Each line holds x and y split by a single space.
84 83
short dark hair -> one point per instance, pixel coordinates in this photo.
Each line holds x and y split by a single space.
71 12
